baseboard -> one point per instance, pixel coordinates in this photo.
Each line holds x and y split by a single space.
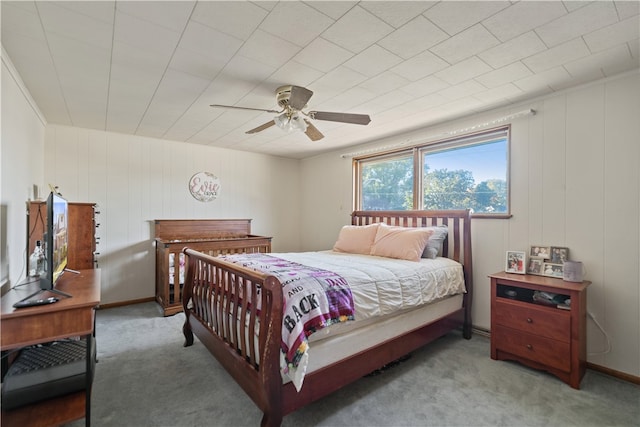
129 302
616 374
480 331
608 371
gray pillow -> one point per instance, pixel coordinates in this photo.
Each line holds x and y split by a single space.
434 244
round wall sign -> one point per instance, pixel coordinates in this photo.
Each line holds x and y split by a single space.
204 186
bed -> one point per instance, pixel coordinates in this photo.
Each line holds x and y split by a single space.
237 313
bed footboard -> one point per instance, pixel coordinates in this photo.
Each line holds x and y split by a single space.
237 314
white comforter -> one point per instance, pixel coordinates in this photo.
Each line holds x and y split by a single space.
384 285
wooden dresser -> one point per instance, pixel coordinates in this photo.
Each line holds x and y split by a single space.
211 236
82 232
542 336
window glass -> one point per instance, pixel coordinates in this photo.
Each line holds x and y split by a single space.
387 183
471 176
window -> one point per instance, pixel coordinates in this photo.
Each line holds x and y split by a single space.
469 171
387 183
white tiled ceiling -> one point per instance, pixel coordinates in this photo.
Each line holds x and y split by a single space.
152 68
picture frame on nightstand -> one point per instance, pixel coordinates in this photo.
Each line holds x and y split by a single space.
558 255
552 270
516 262
535 266
540 251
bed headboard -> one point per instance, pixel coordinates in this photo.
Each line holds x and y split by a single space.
457 245
458 222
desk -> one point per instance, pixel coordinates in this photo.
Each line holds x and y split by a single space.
68 317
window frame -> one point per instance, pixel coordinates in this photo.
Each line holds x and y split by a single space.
418 152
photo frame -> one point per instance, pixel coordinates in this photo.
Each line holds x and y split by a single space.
558 255
540 251
515 262
535 266
552 270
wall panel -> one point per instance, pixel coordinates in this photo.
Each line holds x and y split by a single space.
535 193
552 164
621 231
585 193
518 225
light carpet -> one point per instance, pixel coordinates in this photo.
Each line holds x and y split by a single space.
145 377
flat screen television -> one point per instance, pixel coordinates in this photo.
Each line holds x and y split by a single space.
56 242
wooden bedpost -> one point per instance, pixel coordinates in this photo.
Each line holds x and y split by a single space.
187 293
270 358
467 264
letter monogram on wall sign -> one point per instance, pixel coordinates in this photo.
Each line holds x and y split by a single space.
204 186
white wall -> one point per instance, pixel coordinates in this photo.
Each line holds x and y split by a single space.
135 180
574 183
21 156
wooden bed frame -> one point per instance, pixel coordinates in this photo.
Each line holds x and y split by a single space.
217 290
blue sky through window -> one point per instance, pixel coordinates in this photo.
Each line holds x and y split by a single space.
485 161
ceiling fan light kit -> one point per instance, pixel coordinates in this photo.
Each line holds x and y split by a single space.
290 122
293 99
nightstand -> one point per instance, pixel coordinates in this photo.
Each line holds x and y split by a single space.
551 337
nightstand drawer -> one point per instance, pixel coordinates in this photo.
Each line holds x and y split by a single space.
545 351
546 322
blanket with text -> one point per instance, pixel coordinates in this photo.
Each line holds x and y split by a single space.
313 299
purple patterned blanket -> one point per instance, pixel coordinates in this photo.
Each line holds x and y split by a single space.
313 299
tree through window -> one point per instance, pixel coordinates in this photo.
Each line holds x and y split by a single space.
388 184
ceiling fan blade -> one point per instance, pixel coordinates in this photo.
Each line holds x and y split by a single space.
356 119
299 97
312 132
245 108
261 127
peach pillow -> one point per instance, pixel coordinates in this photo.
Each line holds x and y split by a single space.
356 239
400 242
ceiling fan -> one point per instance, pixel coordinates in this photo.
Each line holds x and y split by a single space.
292 99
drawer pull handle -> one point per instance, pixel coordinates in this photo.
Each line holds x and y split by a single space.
529 346
529 320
